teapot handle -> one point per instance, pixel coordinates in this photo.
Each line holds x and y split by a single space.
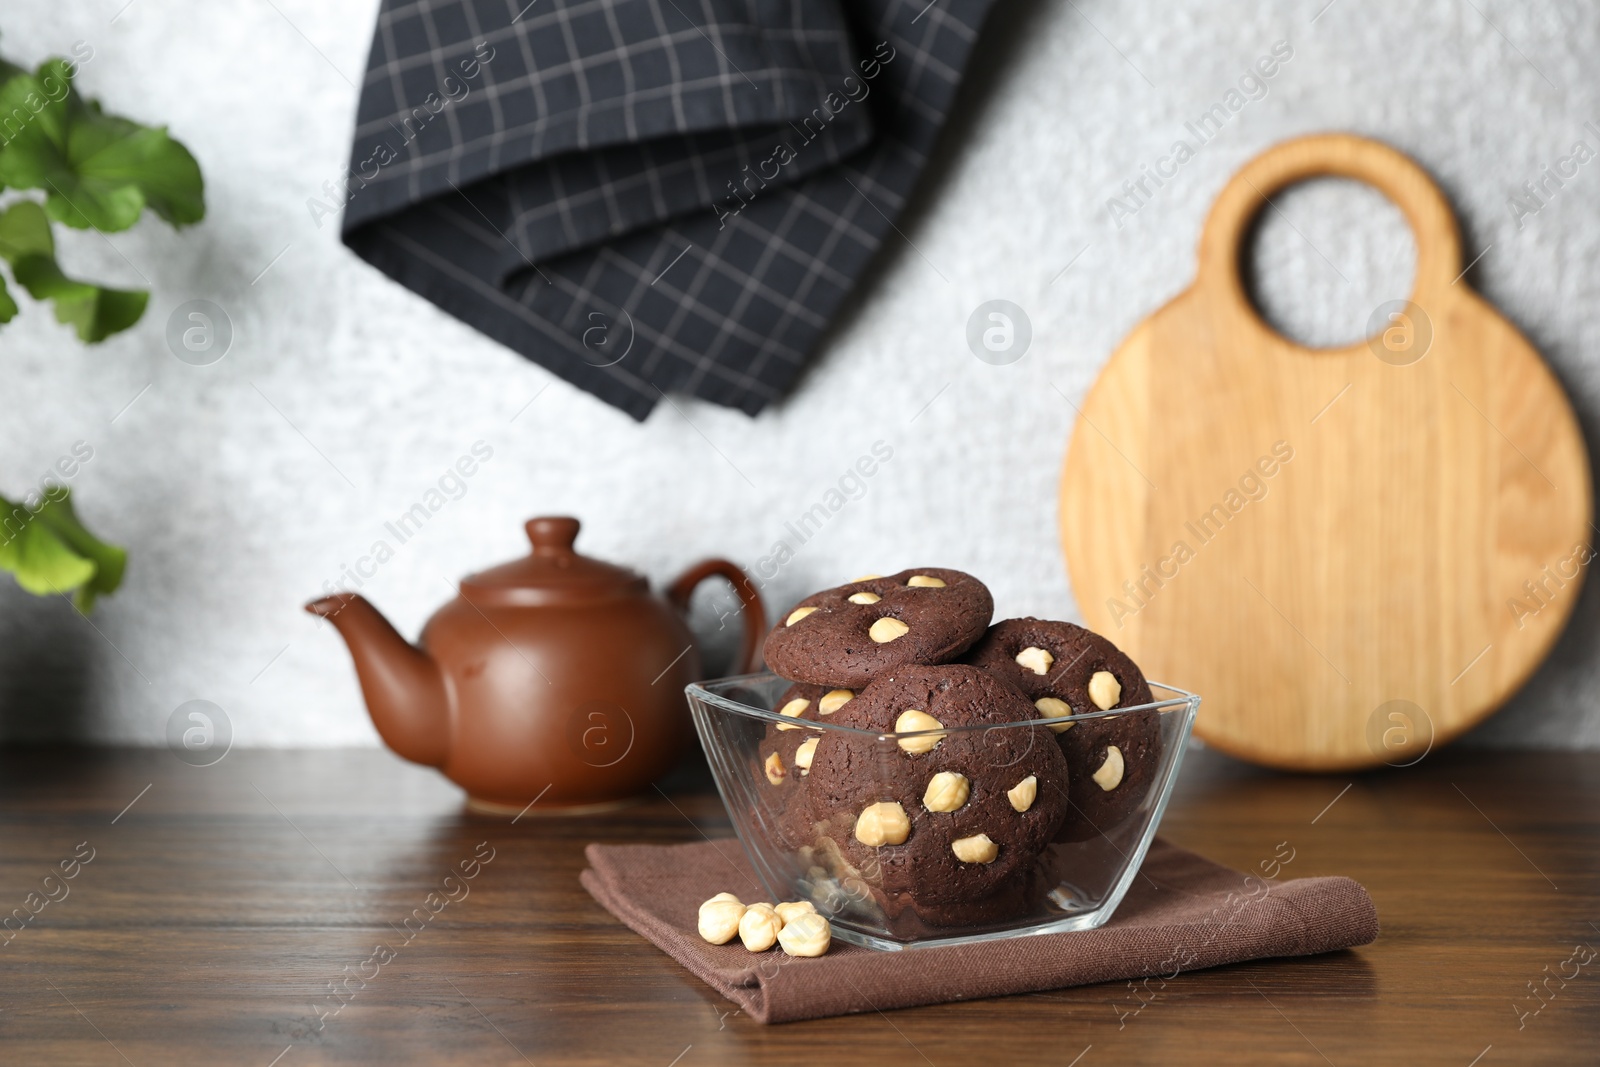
754 611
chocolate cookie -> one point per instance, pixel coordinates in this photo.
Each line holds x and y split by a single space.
938 821
1020 895
1068 670
849 635
785 754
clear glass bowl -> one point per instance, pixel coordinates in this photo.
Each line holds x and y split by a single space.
904 896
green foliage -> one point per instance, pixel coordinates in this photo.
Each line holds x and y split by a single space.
47 548
95 171
28 246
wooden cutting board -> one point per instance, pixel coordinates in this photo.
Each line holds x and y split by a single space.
1352 554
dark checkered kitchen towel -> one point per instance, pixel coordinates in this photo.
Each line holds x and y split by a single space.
647 196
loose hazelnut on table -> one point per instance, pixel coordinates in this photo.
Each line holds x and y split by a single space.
1105 690
887 629
911 721
792 910
720 917
807 935
1035 659
1023 794
759 926
946 791
1109 776
883 823
975 849
834 699
1054 708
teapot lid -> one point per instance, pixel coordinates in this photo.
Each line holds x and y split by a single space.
552 574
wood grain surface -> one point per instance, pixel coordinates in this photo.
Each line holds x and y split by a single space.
220 903
1305 536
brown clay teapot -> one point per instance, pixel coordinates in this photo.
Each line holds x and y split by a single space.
554 677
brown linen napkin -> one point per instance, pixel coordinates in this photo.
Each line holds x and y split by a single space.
1183 913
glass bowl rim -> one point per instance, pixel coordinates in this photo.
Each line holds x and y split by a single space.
1180 699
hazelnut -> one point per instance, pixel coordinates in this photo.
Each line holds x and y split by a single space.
887 629
1105 690
759 926
925 581
796 615
834 699
719 919
1035 659
864 597
946 791
910 721
864 578
794 909
726 896
794 709
1109 776
808 935
774 768
804 755
1052 708
1023 793
883 823
975 849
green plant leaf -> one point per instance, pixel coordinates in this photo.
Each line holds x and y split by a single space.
8 306
49 550
28 245
25 231
109 560
9 70
97 170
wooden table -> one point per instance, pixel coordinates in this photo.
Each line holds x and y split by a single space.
220 903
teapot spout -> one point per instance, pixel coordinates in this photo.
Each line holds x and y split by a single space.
402 684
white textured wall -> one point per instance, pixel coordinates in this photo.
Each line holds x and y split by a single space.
233 518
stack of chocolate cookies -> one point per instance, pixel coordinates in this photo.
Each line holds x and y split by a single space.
950 824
